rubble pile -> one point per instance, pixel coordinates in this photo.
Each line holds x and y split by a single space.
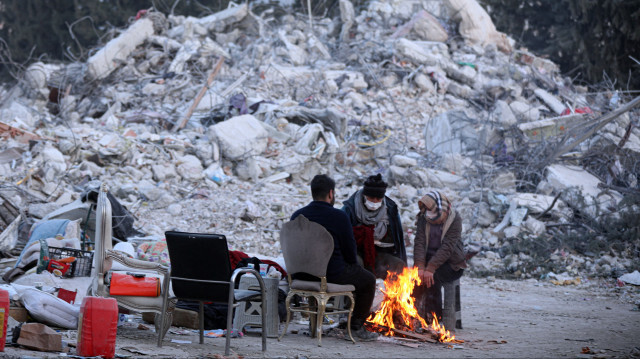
427 93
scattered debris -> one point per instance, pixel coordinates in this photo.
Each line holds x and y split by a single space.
217 124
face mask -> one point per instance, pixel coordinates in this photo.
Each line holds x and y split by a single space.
432 215
372 206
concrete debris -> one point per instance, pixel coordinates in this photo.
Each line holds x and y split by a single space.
503 114
589 197
476 25
535 226
347 15
551 127
388 88
525 111
423 52
240 136
550 100
631 278
425 26
116 52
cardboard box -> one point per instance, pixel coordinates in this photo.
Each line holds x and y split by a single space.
18 313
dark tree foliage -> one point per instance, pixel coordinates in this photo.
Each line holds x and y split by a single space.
591 40
66 30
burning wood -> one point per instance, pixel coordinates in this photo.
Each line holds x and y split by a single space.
398 315
403 333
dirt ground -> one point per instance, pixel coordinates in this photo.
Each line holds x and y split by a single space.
501 319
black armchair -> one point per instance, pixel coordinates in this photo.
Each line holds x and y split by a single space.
201 271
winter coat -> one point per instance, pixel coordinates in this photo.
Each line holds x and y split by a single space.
451 248
395 226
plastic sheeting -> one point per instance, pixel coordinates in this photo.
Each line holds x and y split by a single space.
47 308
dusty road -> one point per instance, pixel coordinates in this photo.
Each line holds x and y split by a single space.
501 319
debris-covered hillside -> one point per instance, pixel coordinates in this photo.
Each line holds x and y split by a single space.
217 124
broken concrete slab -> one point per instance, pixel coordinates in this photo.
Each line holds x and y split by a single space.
347 16
189 49
425 26
36 75
441 179
423 52
306 144
464 74
476 25
525 111
538 203
425 83
545 65
297 54
460 90
564 176
455 163
219 21
503 114
403 161
554 104
240 136
439 136
551 127
54 162
249 170
18 115
485 217
337 79
10 154
103 62
413 177
589 197
504 182
9 236
163 171
535 226
189 168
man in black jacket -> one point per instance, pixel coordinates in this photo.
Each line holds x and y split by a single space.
343 267
377 228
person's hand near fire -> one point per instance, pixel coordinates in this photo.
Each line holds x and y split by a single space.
426 277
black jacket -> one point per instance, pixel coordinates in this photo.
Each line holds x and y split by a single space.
395 226
337 223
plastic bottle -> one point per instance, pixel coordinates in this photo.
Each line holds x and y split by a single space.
97 327
4 316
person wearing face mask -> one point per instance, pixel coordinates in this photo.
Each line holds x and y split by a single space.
377 228
438 251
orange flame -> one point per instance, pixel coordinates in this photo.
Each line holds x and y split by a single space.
398 300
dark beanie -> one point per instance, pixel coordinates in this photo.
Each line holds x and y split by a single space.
374 186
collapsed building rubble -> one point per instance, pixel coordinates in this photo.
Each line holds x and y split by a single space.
430 98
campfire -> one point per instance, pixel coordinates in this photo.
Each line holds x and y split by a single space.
398 315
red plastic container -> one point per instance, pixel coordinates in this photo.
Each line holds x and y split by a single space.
97 327
4 316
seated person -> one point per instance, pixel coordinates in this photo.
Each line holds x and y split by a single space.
438 251
377 228
343 267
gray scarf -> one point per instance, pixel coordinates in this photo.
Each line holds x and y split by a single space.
378 217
